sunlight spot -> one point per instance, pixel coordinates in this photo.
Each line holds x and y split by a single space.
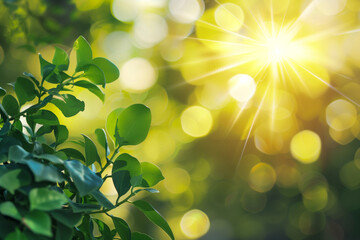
186 11
177 180
137 75
229 16
242 87
305 146
196 121
331 7
195 224
341 115
149 30
262 177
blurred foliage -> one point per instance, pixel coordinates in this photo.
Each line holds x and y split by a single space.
297 177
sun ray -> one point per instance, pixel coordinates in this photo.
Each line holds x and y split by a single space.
250 130
227 31
328 84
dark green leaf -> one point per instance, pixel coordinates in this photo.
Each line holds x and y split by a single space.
10 105
38 222
2 92
6 226
61 134
17 125
133 124
5 128
87 227
122 228
85 180
83 52
44 172
104 230
67 217
124 169
92 88
111 123
9 209
73 153
83 207
154 216
110 70
101 138
94 74
151 174
16 235
51 158
25 90
140 236
44 130
102 199
45 117
14 179
46 199
46 67
70 105
91 153
29 75
61 59
63 232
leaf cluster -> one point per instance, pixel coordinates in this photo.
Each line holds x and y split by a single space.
49 192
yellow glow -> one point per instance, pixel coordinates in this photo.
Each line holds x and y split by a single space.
262 177
306 146
242 87
315 198
137 75
229 16
341 115
195 224
177 180
196 121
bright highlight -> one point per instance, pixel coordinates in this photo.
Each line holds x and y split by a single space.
305 146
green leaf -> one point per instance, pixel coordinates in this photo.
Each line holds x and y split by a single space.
154 216
16 235
111 124
5 128
140 236
33 79
83 207
9 209
150 190
46 67
6 226
110 70
91 153
133 124
10 105
94 74
61 134
104 230
101 138
151 174
25 90
44 130
18 154
38 222
66 217
2 92
63 232
73 153
92 88
45 117
46 199
70 105
102 199
44 172
124 169
85 180
50 157
14 179
86 227
61 59
122 228
83 52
